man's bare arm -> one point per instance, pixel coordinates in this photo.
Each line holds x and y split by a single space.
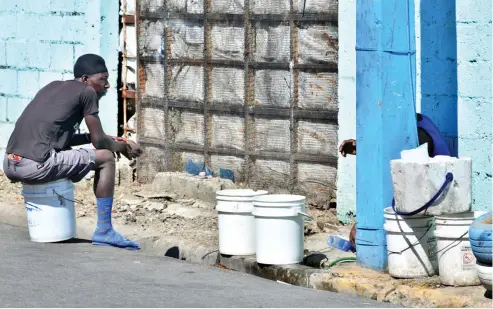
80 139
99 139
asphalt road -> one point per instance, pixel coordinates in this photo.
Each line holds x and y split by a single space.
78 274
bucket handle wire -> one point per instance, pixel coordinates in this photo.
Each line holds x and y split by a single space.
61 198
306 216
448 179
412 245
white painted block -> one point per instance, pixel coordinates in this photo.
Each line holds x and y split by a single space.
415 183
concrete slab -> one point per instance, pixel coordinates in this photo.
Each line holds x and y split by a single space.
192 187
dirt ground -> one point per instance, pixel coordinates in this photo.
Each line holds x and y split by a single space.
162 213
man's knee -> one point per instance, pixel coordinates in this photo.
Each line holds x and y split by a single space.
104 157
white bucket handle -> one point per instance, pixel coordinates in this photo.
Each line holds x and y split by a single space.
305 216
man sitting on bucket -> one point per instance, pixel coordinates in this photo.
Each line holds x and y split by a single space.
39 149
427 133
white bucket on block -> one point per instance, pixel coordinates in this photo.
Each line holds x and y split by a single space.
456 261
279 223
415 182
236 222
50 210
411 245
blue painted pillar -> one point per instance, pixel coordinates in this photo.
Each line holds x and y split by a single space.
385 114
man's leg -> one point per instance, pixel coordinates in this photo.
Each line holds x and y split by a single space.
104 188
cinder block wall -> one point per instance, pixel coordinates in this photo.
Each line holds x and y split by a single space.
39 42
474 52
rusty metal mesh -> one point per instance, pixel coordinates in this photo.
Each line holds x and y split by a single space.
249 85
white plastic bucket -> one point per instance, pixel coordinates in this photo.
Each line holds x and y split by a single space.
236 222
279 224
407 223
411 245
456 261
485 274
50 210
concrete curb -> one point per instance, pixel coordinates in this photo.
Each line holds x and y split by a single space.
348 279
354 280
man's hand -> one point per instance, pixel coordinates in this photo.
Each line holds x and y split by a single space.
348 147
132 151
352 234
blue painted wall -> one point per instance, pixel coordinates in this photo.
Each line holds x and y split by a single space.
39 42
438 39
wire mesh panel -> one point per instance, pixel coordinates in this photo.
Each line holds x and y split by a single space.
249 85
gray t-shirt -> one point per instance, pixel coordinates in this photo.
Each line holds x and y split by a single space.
51 119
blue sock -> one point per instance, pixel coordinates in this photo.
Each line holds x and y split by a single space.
105 235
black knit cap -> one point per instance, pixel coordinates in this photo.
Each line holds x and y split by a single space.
89 64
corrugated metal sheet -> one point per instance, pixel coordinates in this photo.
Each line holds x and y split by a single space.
249 85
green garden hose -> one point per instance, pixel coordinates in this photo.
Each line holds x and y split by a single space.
344 259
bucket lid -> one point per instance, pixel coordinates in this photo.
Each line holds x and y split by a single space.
279 200
240 192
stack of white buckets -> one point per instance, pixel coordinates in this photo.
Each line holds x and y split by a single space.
271 226
435 241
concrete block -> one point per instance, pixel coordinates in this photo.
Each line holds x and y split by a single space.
38 55
74 28
62 6
474 79
15 107
9 6
47 77
3 109
415 183
79 50
479 149
38 6
28 83
474 42
62 56
69 76
188 186
9 81
16 54
3 53
80 5
9 25
27 26
51 27
6 129
479 110
478 11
